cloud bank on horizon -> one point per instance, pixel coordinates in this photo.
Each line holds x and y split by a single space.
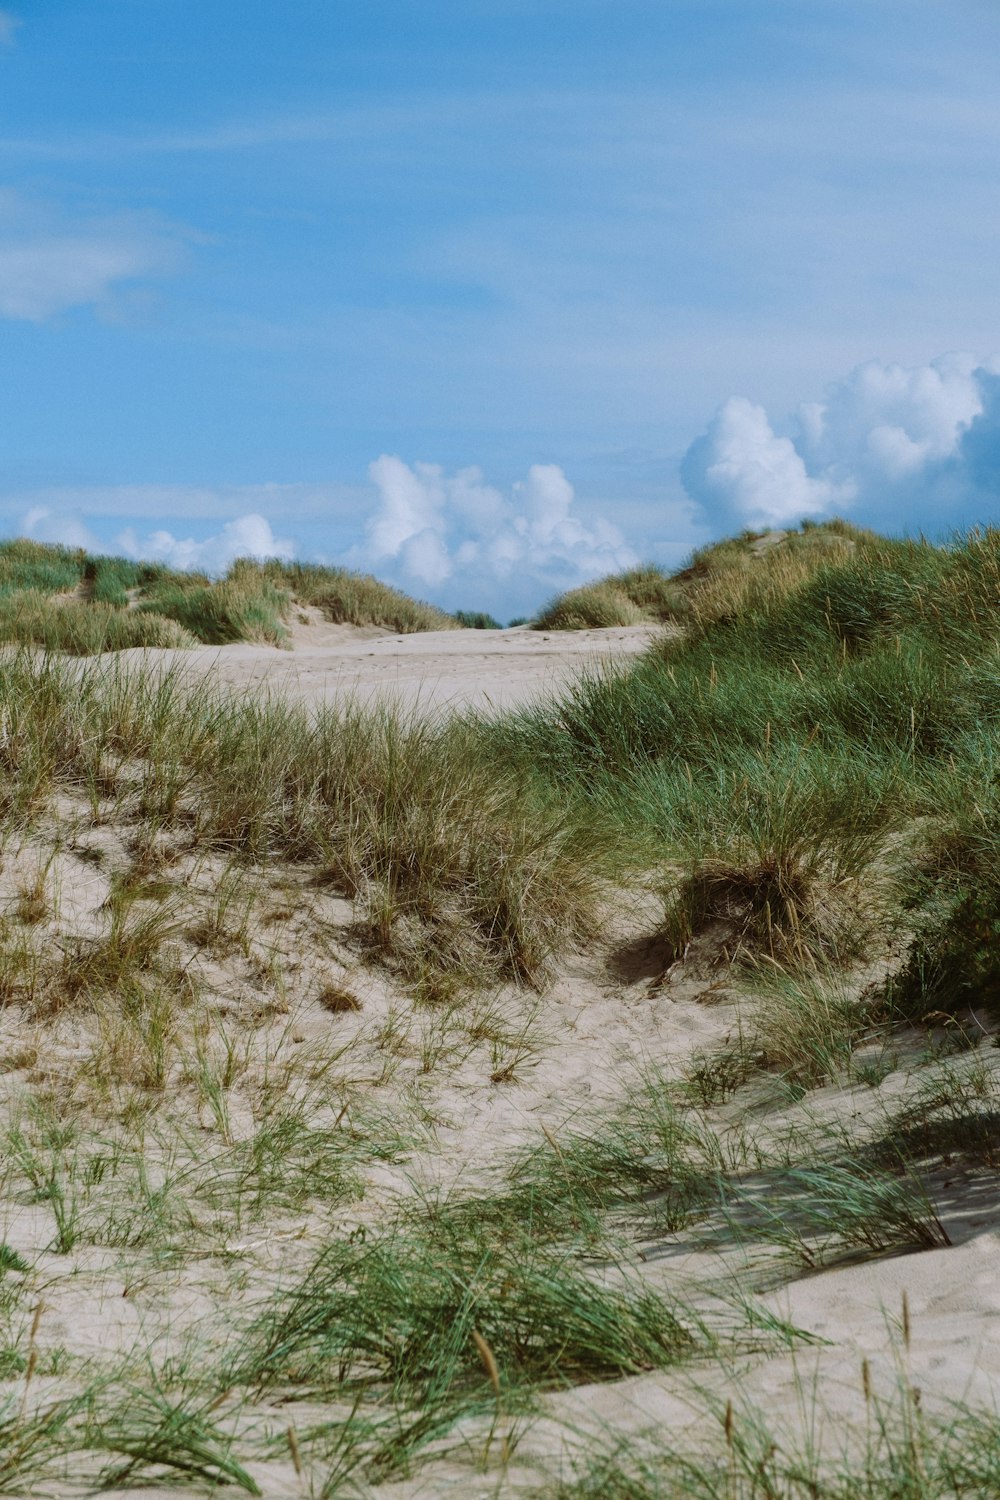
897 448
245 536
450 537
433 532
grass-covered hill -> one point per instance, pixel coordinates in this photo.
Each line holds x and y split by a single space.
67 600
710 584
261 970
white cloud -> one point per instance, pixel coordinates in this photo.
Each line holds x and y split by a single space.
9 24
450 536
48 264
742 470
457 536
897 446
886 421
247 536
68 529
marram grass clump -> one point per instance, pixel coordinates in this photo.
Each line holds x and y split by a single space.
65 599
774 757
451 866
721 579
642 594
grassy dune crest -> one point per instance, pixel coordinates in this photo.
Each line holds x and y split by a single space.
357 599
719 579
64 599
799 730
624 599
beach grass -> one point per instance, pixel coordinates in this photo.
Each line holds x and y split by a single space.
264 972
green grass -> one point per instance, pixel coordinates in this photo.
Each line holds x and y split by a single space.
641 594
596 607
952 1115
777 755
653 1156
451 866
718 578
808 1026
404 1311
803 778
356 598
151 1433
66 600
765 762
27 617
893 1452
33 1443
476 619
243 606
819 1212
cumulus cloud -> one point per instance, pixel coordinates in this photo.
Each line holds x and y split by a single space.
899 447
49 264
9 24
741 470
68 529
247 536
457 537
451 537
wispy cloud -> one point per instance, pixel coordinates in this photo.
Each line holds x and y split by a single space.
9 24
356 125
50 262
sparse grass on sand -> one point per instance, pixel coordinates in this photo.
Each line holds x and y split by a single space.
282 1091
450 865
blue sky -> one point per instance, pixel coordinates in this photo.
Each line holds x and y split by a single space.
487 295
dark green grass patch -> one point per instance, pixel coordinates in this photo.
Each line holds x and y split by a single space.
406 1307
476 619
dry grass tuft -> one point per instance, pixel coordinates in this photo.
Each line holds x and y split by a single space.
338 999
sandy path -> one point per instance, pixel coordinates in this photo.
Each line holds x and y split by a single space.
433 669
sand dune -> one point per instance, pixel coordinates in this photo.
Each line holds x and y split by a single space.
148 1221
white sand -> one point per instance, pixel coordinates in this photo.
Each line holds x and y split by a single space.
437 669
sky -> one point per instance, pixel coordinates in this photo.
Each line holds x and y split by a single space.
490 297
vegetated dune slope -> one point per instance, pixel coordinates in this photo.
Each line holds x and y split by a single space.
597 1098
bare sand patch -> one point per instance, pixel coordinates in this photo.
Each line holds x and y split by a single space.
433 670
